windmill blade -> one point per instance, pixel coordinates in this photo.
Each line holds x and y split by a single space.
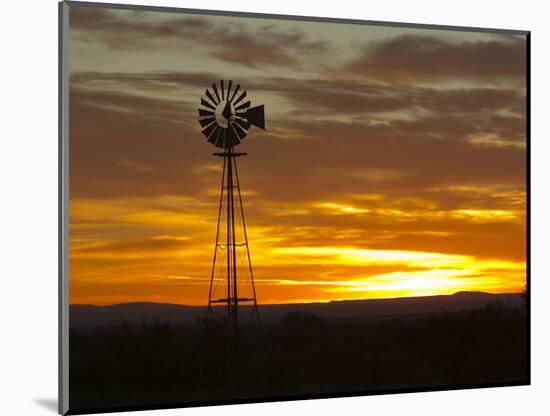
245 125
235 141
235 92
221 84
216 91
220 141
214 136
245 105
240 98
205 113
211 133
256 117
206 121
207 104
231 138
219 137
242 114
240 132
229 89
211 97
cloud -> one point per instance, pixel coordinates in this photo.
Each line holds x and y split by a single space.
135 105
428 152
410 58
124 29
159 81
227 41
142 126
330 98
133 247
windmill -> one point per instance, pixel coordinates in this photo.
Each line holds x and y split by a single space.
225 116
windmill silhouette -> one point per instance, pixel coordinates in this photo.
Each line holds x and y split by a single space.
225 117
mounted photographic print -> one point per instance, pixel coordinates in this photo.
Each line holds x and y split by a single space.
263 208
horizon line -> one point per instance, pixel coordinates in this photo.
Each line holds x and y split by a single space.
302 303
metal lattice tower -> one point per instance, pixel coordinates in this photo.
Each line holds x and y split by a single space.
231 205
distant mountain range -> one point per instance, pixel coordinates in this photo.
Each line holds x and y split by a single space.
369 309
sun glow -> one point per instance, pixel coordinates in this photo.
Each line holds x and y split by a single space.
159 249
341 209
418 274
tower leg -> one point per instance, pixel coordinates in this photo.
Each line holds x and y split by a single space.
209 312
231 269
255 312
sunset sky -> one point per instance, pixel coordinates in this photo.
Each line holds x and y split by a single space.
393 161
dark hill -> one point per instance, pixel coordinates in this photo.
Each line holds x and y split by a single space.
369 309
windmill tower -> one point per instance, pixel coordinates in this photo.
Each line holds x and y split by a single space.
225 117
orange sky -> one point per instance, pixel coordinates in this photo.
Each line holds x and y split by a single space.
393 163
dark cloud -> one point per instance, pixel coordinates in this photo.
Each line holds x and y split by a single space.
141 146
335 97
133 144
230 42
424 160
137 106
125 29
410 58
448 136
143 81
330 97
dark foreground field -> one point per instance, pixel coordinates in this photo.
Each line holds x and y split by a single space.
157 363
